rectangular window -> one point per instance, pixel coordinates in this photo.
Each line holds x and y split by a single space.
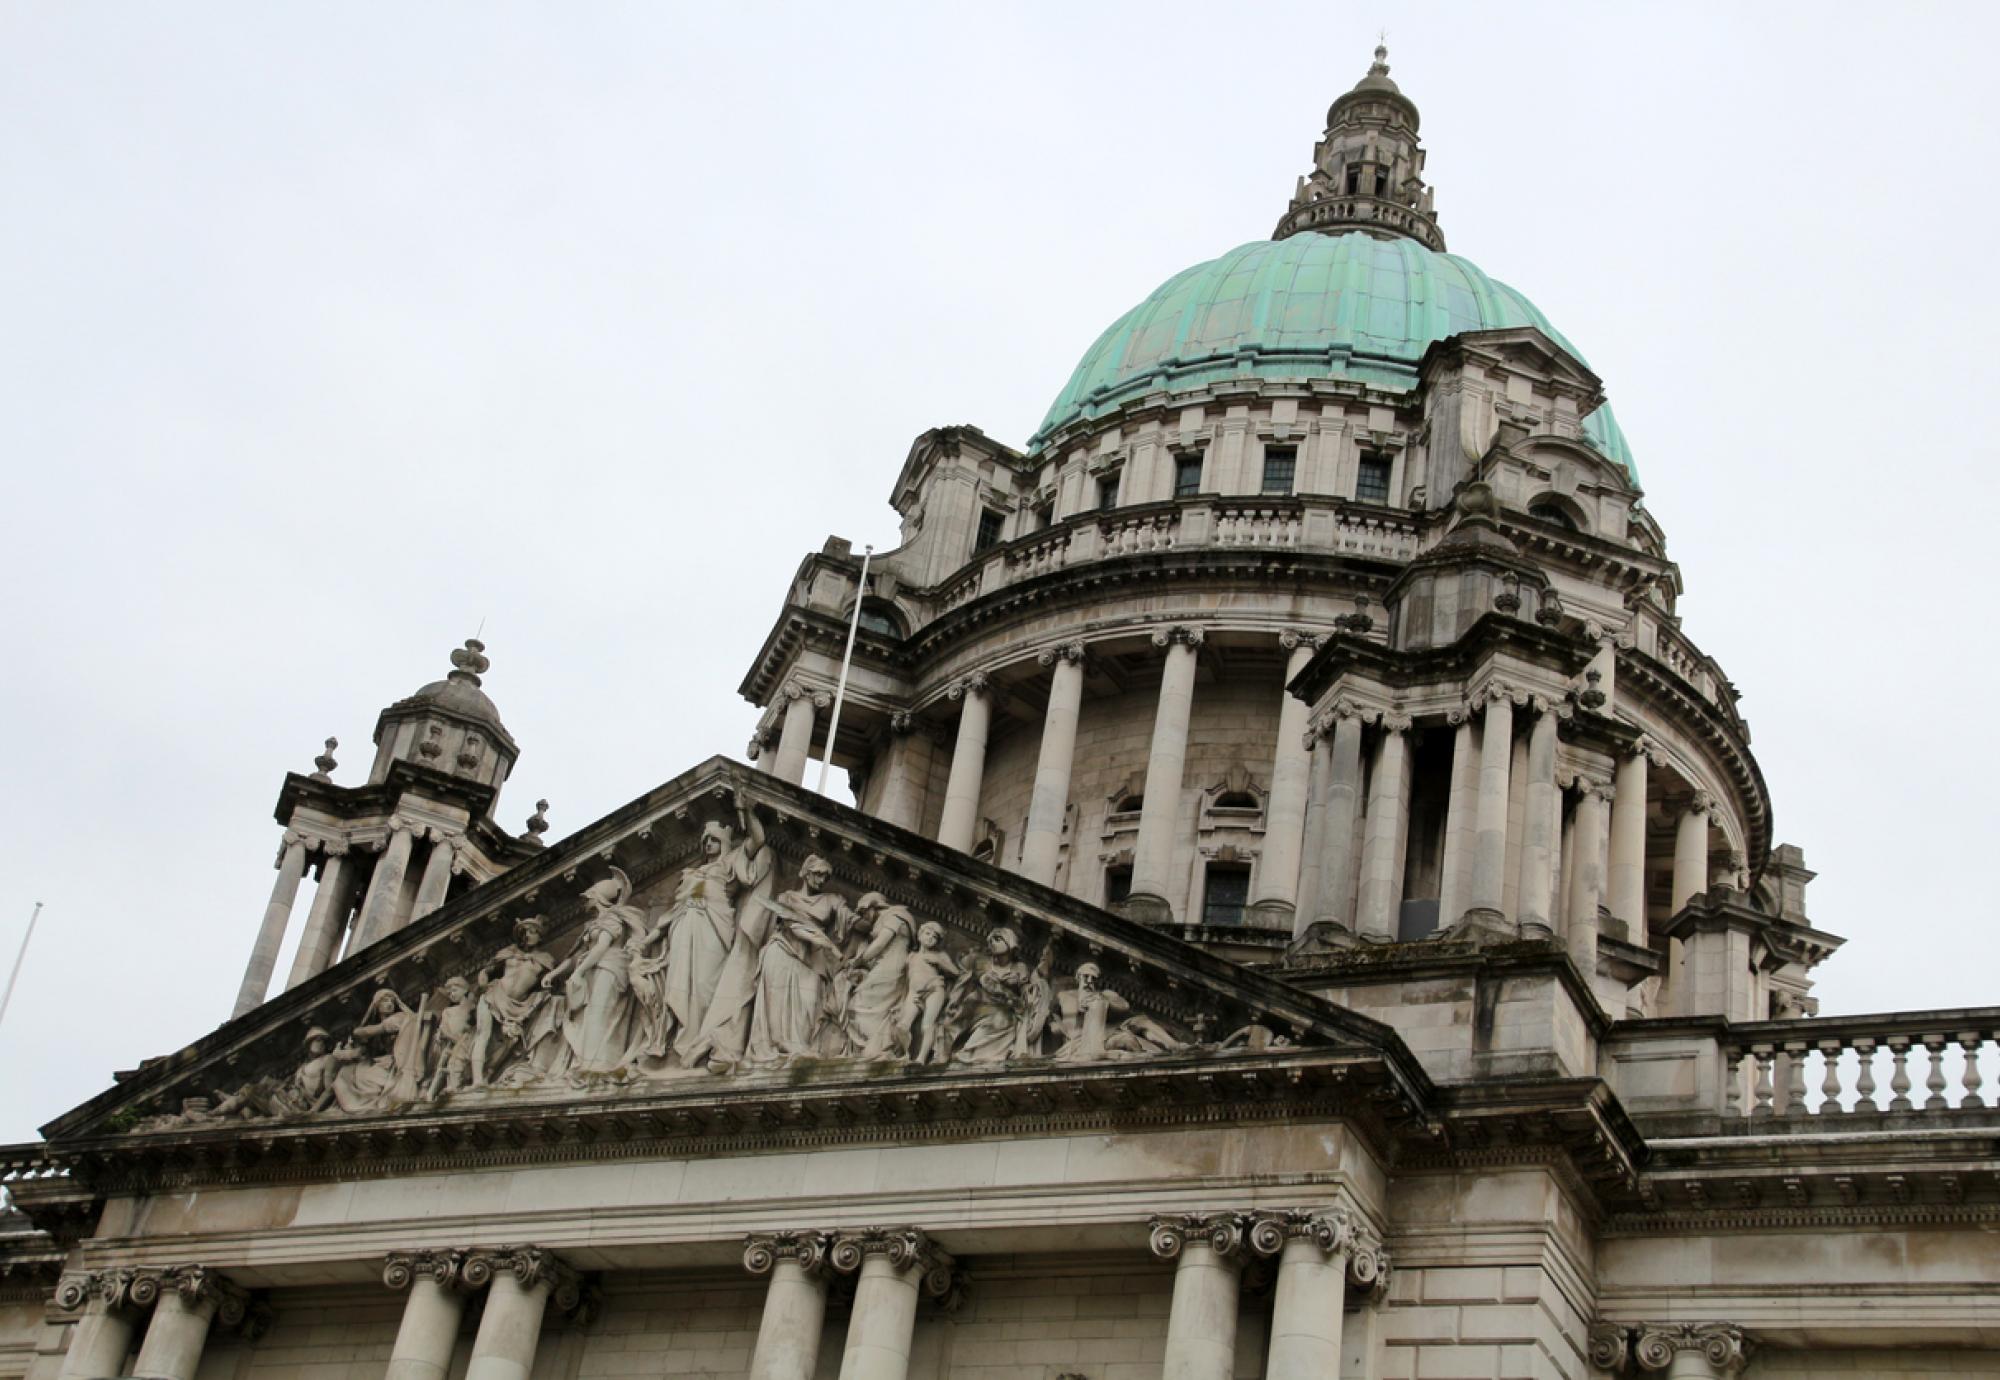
1187 476
1107 491
1381 182
1371 482
1281 464
1227 893
1045 517
1353 178
989 530
1117 885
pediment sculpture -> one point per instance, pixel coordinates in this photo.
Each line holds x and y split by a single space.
725 974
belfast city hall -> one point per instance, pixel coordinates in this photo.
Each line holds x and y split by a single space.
1310 912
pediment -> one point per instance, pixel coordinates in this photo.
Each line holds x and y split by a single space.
727 957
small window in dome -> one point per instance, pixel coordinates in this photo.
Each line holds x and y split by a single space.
1187 476
1353 178
989 531
1381 182
1117 885
1281 464
1553 513
1371 480
878 619
1107 491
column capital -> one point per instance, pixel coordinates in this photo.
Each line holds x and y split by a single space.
401 1269
1222 1232
1394 721
1644 746
1702 803
974 683
1187 634
1609 1347
902 723
808 1249
1723 1345
1293 638
1071 652
905 1248
112 1288
196 1285
796 689
1367 1262
1495 691
1331 1229
530 1266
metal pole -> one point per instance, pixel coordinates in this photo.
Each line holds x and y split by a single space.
846 660
19 959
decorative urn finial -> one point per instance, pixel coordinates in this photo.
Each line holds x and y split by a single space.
325 761
469 663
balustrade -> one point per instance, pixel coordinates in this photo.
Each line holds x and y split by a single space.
1833 1067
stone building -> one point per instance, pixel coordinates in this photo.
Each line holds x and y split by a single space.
1312 913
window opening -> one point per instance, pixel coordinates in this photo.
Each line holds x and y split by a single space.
1107 492
1117 884
1226 895
1187 476
1371 481
989 531
1281 464
1553 512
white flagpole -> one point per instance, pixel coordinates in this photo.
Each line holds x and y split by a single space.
19 959
846 660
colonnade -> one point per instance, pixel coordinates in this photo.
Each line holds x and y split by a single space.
178 1305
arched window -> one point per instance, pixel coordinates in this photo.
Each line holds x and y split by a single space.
880 617
1547 510
1235 800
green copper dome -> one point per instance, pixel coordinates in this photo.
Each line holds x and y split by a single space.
1310 306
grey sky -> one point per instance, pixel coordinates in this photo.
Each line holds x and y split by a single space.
328 331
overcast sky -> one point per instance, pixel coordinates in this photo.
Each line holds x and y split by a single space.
327 332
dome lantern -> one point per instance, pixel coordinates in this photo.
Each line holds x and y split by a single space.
1367 168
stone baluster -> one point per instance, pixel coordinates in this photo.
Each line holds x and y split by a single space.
1899 1072
1692 1351
892 1267
1829 1082
960 822
1166 764
1320 1254
333 899
185 1300
1343 807
1691 852
271 934
1762 1057
436 881
1627 872
1534 887
1277 892
429 1330
1934 1079
1864 1082
103 1337
788 1334
1587 874
1385 833
1207 1251
1487 893
1971 1042
802 706
520 1281
1461 809
1732 1083
1795 1077
1048 800
385 889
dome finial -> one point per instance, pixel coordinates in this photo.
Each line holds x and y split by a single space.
1381 64
469 663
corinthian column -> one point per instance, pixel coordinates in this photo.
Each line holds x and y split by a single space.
794 1303
1312 861
271 934
185 1299
892 1266
1691 851
1277 893
1166 766
436 880
103 1336
1343 804
1319 1255
1488 890
1048 802
795 738
385 889
968 763
332 899
1586 878
1461 805
1207 1252
429 1330
1628 844
1384 834
1535 906
522 1279
1692 1351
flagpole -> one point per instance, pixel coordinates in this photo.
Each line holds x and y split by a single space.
846 660
19 959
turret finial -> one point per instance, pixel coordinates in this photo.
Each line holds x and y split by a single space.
1381 66
469 663
325 761
538 824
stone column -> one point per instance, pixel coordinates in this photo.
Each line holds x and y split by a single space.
1488 889
968 763
1691 851
1587 875
1461 807
1207 1252
385 889
1277 894
893 1265
1343 803
1319 1255
1385 831
1048 802
794 1304
1535 909
1627 873
1166 764
898 804
326 920
103 1336
436 880
795 738
429 1331
522 1278
1312 862
271 934
185 1300
1692 1351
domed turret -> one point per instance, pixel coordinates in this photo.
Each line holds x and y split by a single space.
450 725
1368 168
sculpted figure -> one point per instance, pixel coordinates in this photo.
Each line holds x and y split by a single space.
451 1056
872 982
1255 1038
674 981
308 1090
1000 1003
514 1005
1084 1017
925 986
597 980
394 1075
795 968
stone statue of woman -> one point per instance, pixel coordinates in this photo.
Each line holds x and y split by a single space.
395 1074
596 979
875 978
795 968
1000 1003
